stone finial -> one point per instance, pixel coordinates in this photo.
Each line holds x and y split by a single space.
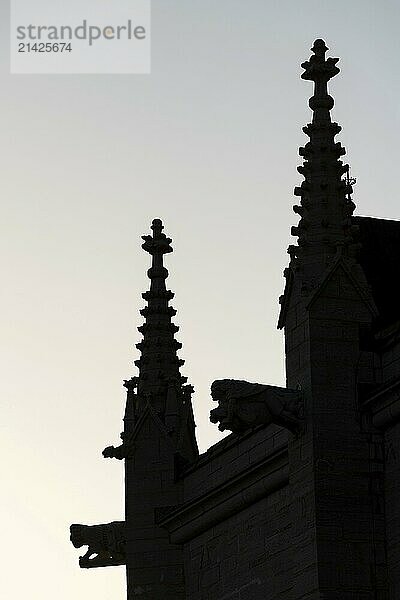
320 70
158 243
318 67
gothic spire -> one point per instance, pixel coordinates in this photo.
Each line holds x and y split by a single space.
159 388
325 231
158 362
325 207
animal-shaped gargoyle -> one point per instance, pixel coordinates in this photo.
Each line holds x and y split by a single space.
106 544
243 405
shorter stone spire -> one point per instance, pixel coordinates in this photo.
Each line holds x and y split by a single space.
159 389
159 362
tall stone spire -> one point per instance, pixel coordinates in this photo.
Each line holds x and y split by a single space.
326 231
325 206
328 314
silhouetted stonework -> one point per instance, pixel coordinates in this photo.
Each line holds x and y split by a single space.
243 405
105 544
302 500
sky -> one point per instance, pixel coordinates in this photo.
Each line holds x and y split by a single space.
208 142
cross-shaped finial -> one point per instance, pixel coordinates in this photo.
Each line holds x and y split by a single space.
158 243
317 68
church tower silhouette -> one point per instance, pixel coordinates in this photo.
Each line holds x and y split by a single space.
302 500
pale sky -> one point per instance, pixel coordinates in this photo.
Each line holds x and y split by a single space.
208 142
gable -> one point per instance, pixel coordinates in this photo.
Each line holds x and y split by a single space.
342 287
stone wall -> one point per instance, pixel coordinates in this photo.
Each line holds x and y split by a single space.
392 507
245 557
234 524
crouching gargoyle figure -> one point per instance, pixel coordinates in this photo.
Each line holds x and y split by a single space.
243 405
106 544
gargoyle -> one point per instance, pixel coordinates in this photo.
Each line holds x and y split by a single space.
119 452
106 544
244 405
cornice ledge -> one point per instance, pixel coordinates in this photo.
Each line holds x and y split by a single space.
228 498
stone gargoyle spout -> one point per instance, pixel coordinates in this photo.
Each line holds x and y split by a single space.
243 405
106 544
